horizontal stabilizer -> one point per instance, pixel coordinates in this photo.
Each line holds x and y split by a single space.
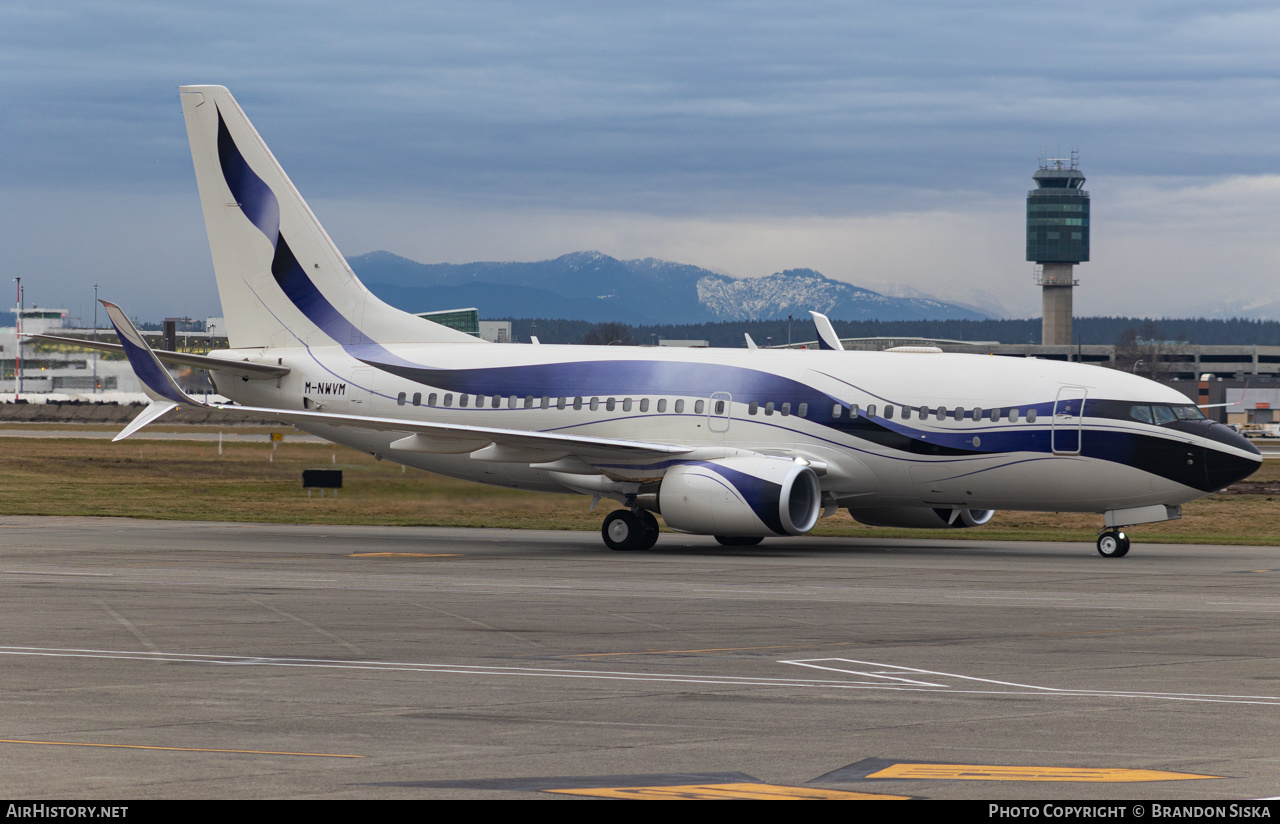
246 369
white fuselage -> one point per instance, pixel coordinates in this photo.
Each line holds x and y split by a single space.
843 411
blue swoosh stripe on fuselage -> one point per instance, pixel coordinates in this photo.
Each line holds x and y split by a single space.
635 378
623 378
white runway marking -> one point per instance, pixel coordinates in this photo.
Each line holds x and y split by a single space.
886 677
877 670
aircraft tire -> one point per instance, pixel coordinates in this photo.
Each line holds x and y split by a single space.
1113 544
649 525
737 540
623 531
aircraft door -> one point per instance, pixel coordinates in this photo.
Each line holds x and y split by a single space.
1068 415
718 412
360 391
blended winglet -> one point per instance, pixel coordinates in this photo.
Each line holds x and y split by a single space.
827 337
157 383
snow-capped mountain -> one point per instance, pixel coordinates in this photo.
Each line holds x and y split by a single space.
596 287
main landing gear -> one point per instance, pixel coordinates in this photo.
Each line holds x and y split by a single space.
1113 544
624 530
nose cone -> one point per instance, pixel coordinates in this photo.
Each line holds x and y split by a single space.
1226 466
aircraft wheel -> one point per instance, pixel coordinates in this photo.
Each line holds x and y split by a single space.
737 540
1113 544
649 525
623 531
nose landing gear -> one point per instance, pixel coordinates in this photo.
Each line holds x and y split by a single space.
1113 544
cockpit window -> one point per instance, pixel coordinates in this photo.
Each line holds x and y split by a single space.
1141 413
1158 414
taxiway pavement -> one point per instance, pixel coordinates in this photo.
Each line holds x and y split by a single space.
174 659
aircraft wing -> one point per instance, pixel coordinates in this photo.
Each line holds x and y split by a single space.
245 369
491 442
502 444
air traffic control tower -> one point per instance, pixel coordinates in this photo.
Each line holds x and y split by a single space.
1057 239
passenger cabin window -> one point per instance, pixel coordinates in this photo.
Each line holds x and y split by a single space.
1031 416
560 403
768 408
941 413
626 404
698 406
400 399
448 399
1013 416
680 406
662 404
888 412
608 405
754 407
463 400
595 404
528 402
803 411
853 410
719 407
577 403
906 413
644 404
871 410
836 410
546 403
417 399
786 409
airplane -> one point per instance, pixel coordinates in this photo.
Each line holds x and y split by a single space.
739 444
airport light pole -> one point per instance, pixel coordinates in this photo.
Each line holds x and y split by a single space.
17 349
95 338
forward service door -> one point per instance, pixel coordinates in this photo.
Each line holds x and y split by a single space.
1068 416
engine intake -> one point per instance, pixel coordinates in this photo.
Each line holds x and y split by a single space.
741 497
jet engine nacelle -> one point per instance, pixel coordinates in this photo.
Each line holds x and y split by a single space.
922 517
741 497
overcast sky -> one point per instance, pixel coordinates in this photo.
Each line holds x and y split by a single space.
885 144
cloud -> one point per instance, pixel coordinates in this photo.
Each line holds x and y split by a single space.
892 142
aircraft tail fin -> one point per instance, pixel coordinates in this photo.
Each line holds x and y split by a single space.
281 279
